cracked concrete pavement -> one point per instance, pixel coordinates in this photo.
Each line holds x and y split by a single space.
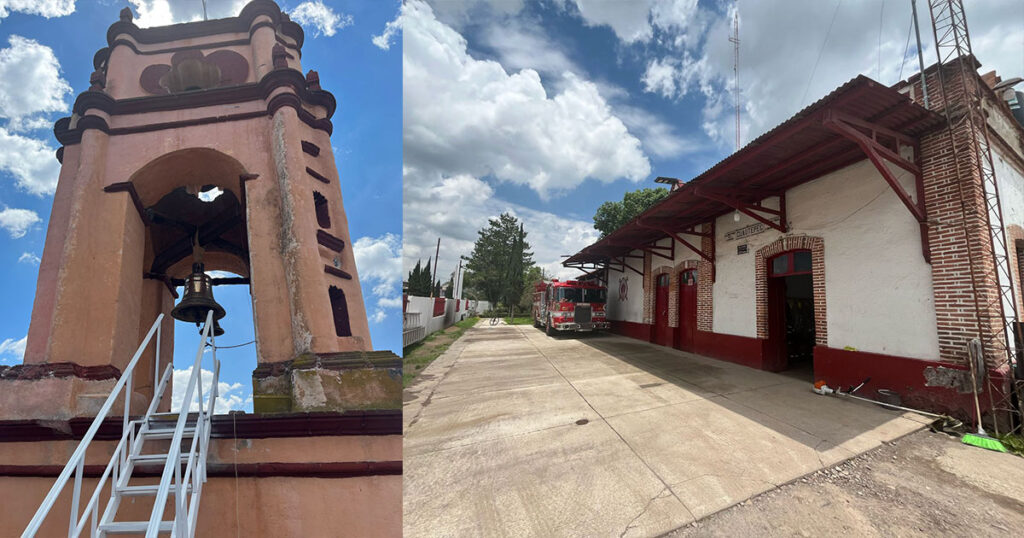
514 433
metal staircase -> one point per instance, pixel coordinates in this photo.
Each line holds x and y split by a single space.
172 446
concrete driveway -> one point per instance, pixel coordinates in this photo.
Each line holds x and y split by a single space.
513 433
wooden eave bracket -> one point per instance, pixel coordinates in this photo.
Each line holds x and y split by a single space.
852 129
624 265
752 210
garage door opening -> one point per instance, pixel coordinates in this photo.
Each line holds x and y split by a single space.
791 313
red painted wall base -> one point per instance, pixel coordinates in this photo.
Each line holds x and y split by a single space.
840 369
902 375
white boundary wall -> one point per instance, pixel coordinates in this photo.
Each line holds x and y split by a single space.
425 307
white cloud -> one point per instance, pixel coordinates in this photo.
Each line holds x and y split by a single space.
233 396
455 208
391 29
30 82
29 258
30 161
522 46
153 13
629 20
379 262
45 8
780 44
12 350
469 116
17 221
322 18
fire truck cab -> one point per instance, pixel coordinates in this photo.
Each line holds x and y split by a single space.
569 305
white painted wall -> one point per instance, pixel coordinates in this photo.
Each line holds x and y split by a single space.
631 309
878 286
1011 189
425 307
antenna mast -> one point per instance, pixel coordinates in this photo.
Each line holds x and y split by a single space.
735 40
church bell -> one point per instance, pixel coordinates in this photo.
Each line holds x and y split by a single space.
198 300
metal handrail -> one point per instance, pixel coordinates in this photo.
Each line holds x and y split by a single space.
77 461
172 466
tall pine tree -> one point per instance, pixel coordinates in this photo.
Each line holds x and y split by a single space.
499 258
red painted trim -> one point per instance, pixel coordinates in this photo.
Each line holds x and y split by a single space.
58 369
329 241
310 148
439 304
340 469
731 348
129 187
640 331
317 175
236 426
332 270
905 376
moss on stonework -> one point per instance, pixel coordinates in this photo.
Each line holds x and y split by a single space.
271 403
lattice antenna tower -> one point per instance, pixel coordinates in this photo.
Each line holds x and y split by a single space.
995 301
735 40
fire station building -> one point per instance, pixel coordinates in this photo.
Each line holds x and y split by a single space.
842 244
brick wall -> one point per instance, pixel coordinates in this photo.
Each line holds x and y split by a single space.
648 290
963 274
706 281
817 247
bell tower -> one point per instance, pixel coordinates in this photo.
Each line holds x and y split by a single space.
201 147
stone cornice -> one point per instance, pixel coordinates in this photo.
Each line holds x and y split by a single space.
279 78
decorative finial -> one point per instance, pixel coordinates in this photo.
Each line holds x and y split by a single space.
126 15
97 81
313 80
280 56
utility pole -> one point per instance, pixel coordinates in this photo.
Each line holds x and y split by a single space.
433 277
457 292
735 40
204 10
920 53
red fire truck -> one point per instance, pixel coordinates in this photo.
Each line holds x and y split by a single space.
569 305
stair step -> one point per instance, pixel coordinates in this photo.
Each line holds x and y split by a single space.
168 433
171 416
133 527
146 490
154 458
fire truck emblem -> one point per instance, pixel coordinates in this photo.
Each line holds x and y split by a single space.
623 288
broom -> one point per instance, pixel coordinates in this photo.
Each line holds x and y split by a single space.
980 439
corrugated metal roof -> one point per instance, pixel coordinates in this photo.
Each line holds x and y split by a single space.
796 151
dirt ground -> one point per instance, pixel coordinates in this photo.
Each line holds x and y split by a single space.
925 484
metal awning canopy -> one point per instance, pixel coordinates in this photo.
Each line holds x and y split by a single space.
860 120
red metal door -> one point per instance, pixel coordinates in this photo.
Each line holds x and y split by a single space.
662 332
687 309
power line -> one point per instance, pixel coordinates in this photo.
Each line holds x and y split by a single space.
903 59
820 52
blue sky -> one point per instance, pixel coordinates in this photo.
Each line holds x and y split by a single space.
45 61
548 108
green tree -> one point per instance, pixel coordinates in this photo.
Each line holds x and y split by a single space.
500 257
419 280
610 216
450 287
531 277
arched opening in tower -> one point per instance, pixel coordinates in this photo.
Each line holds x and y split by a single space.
193 203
